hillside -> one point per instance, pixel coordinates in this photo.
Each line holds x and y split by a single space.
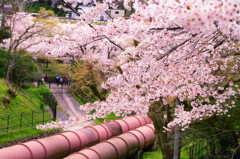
24 111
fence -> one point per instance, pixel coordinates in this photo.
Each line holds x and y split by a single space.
50 99
14 122
204 149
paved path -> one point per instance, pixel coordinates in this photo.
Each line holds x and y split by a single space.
66 101
69 105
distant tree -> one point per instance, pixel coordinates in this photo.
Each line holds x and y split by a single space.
87 81
4 58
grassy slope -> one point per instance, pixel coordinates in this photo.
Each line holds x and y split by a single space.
24 102
11 136
158 155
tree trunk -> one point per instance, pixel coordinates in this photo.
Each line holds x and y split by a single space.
20 6
9 70
3 13
47 64
157 112
176 154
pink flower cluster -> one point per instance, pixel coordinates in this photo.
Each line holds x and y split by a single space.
165 49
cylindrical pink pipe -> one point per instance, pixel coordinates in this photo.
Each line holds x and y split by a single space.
60 145
121 146
132 122
16 151
81 155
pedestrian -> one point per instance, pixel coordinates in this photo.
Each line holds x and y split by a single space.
65 80
42 80
39 82
58 80
46 78
61 80
69 80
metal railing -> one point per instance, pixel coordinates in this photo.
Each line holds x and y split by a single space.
15 122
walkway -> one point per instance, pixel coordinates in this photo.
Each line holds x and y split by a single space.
68 104
66 101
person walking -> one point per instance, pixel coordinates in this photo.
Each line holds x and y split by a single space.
69 80
61 80
46 79
58 80
65 80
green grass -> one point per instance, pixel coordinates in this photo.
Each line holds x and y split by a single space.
35 7
26 108
25 135
152 155
99 23
24 102
157 154
67 21
81 101
11 136
107 118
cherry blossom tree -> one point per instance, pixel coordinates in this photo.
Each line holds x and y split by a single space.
173 60
26 32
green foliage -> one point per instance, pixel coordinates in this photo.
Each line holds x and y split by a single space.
92 112
221 131
111 116
44 13
44 91
107 118
157 154
82 101
5 33
4 57
129 13
52 69
25 70
152 155
98 121
44 95
86 81
35 8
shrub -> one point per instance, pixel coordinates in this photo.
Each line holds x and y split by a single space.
4 57
25 70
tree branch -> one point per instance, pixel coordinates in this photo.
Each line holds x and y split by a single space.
172 49
169 29
76 12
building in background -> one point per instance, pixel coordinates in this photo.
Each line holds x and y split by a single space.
104 16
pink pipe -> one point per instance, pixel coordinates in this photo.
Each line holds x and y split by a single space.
119 147
60 145
132 122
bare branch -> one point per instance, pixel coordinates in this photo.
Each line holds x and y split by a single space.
169 29
76 12
172 49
